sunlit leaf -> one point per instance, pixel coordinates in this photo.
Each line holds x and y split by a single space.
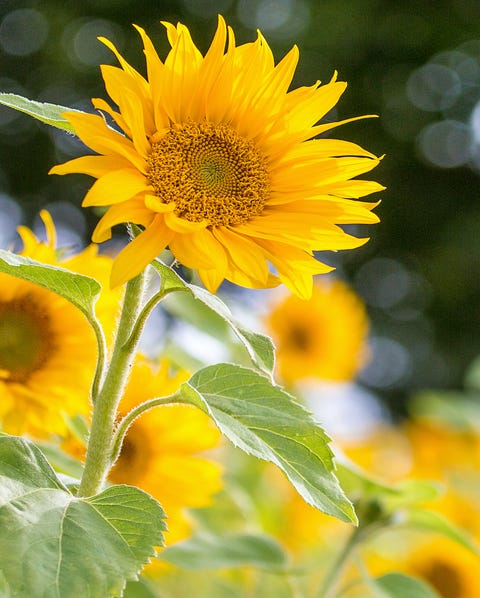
80 290
265 421
51 114
53 544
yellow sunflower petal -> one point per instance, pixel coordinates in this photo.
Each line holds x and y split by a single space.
352 189
180 225
136 256
212 279
244 254
115 187
94 132
181 72
103 106
332 209
295 268
132 210
49 228
155 71
140 82
154 203
32 247
96 166
200 250
333 169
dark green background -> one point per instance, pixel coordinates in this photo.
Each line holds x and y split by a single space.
430 230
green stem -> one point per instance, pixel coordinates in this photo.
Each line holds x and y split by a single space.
98 460
333 574
128 420
145 312
101 361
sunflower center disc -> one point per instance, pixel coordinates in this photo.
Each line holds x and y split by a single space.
23 339
210 172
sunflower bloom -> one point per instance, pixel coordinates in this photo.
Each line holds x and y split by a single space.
450 569
48 350
324 337
216 160
160 453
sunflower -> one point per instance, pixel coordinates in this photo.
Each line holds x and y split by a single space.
324 337
48 350
217 160
160 451
449 568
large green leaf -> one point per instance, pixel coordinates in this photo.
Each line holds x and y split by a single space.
207 551
265 421
396 585
55 545
80 290
259 346
51 114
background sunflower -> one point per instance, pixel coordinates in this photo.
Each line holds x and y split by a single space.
48 350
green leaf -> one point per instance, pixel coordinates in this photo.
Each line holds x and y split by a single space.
207 551
429 521
51 114
140 589
61 461
259 346
412 492
396 585
265 421
80 290
55 545
360 485
5 591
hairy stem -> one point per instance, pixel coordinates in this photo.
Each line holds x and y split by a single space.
101 361
128 420
99 449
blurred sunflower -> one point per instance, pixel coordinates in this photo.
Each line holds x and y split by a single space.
48 350
450 569
160 451
441 450
217 160
324 337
